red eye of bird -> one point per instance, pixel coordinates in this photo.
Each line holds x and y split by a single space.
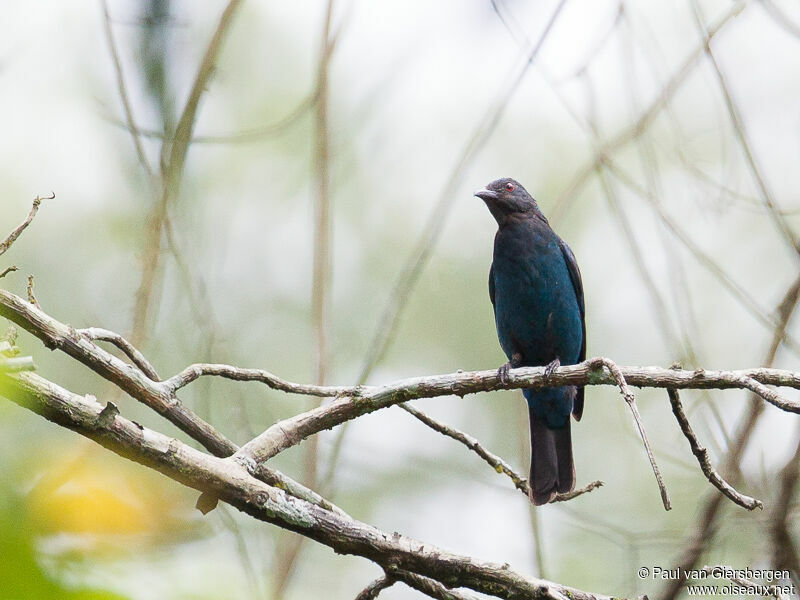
510 187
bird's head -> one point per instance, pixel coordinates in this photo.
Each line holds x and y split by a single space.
505 198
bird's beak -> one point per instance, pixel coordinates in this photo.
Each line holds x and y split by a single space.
485 194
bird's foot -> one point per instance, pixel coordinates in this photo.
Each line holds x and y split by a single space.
550 368
502 372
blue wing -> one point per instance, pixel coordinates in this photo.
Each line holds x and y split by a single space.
577 285
491 284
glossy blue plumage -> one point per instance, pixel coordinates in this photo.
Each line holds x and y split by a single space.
536 308
535 287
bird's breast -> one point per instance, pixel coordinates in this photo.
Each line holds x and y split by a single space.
536 307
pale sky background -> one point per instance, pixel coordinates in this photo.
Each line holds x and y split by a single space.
410 81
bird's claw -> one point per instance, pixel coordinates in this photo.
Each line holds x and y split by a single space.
551 367
502 372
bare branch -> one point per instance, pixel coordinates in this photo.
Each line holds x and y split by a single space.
741 135
498 464
322 219
193 372
563 497
246 135
12 237
369 398
183 131
619 378
127 377
291 431
702 457
351 402
737 291
374 589
55 334
322 267
428 586
31 296
123 94
708 514
781 18
96 333
494 461
784 548
470 382
8 270
645 274
230 482
646 118
173 157
156 395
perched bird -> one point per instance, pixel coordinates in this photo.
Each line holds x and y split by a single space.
536 290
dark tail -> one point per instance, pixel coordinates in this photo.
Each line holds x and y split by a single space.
552 469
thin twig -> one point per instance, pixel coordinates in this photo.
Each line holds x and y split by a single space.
291 431
563 497
785 553
8 270
470 382
359 400
12 237
322 263
173 158
139 359
741 135
193 372
374 589
31 296
646 275
645 119
247 135
320 284
767 394
368 398
241 547
781 18
737 291
155 395
702 457
494 461
183 131
123 94
629 398
702 533
427 586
